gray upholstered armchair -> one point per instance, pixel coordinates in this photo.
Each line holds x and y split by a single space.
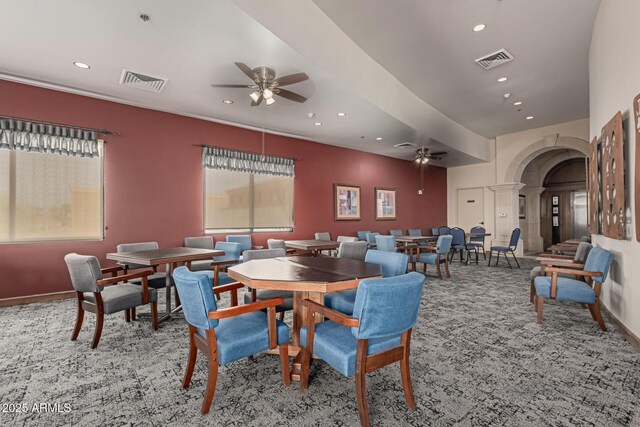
95 295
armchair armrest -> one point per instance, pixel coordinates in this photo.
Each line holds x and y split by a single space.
429 248
112 270
257 247
562 264
336 316
555 271
123 278
546 255
229 287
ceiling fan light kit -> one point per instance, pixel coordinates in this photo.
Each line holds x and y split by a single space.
266 86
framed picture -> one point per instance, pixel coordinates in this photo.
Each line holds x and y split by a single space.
522 206
347 202
555 200
556 210
385 203
556 222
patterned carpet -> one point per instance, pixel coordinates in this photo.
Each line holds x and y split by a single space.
478 359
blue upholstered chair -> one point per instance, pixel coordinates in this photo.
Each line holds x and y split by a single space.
586 291
230 334
254 295
443 229
513 245
459 244
562 261
362 235
435 231
396 233
436 255
391 264
245 242
232 255
371 238
94 295
478 241
386 243
200 242
378 334
415 232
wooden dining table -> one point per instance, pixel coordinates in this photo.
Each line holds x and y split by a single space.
313 246
308 278
171 257
411 243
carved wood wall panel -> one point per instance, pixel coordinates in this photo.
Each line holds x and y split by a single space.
593 187
636 115
613 215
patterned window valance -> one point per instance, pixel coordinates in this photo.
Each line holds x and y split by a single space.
48 138
239 161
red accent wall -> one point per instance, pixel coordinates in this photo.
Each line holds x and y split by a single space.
154 183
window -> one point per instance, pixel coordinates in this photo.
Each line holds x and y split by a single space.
46 196
247 202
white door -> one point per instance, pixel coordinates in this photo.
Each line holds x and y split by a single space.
470 208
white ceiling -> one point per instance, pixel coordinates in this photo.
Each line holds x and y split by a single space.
195 46
430 47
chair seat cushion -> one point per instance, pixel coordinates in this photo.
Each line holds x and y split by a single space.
121 297
501 248
223 278
475 244
460 247
568 290
537 271
342 301
431 258
262 294
155 280
336 345
241 336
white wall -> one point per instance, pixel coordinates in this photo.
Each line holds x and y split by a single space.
614 69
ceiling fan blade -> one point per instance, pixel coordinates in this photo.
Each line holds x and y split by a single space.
292 79
290 95
255 104
233 86
440 153
248 71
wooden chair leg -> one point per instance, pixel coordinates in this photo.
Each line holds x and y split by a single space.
405 371
98 332
446 267
532 292
361 384
305 361
284 364
127 316
213 373
598 316
281 316
439 272
79 319
191 363
133 314
154 316
540 304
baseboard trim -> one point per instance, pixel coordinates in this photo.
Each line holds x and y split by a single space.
624 331
29 299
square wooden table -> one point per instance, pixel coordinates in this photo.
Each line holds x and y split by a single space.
308 278
168 256
313 246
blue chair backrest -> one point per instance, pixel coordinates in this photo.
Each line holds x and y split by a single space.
196 296
386 243
362 235
232 251
371 237
515 236
479 230
599 260
387 307
458 236
244 240
415 232
443 230
435 231
396 233
444 244
392 264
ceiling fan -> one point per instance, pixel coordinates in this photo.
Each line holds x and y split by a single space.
423 156
266 85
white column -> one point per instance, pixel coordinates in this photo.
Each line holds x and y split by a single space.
507 218
533 237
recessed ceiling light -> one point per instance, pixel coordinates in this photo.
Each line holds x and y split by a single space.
341 114
529 117
379 138
310 115
82 65
503 79
506 95
227 101
517 103
479 27
318 124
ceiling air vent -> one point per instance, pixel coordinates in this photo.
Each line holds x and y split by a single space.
142 81
404 145
493 60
